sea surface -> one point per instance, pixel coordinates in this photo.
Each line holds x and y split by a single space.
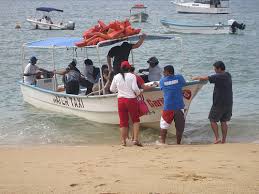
23 124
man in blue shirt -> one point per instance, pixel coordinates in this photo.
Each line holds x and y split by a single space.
172 85
221 109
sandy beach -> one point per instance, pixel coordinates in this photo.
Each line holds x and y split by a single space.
229 168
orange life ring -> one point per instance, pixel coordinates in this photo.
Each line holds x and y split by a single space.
115 34
81 44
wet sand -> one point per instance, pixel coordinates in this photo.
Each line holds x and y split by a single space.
229 168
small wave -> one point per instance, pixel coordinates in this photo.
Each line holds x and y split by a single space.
256 141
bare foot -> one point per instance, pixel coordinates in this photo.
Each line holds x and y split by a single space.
217 141
123 143
137 143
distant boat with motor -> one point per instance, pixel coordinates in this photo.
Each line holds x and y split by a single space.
50 18
138 13
232 27
203 6
101 108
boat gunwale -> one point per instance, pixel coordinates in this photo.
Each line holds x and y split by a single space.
166 22
98 96
49 24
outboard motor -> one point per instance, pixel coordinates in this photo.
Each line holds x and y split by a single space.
70 25
234 25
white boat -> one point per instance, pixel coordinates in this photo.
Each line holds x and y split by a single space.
97 108
232 27
48 20
138 13
203 6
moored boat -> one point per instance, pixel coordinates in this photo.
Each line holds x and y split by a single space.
49 21
232 27
203 6
138 13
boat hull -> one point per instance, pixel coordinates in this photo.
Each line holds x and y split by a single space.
191 29
139 17
102 109
43 25
200 8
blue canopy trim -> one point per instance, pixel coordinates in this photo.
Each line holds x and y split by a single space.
62 42
48 9
69 42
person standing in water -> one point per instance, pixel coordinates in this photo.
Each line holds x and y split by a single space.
221 110
173 110
126 85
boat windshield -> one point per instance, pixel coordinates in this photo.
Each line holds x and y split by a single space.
203 1
211 2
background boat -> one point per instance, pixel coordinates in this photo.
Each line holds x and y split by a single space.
47 21
232 27
138 13
203 6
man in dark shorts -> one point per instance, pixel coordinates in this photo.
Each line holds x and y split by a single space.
173 110
221 110
121 53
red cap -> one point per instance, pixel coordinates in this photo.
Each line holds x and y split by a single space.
125 64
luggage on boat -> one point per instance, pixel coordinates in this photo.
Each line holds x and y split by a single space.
102 32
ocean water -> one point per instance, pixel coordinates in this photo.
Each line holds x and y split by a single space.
22 124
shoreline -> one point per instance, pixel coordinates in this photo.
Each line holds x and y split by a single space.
221 168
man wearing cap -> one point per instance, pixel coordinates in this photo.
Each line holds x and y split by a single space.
121 53
155 71
221 110
32 71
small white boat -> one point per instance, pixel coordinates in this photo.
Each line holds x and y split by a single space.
203 6
47 20
232 27
97 108
138 13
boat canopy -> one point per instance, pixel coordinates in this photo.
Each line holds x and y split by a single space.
61 42
69 42
48 9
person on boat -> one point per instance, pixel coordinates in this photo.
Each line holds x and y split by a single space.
173 109
47 19
121 53
141 82
154 70
90 76
72 78
107 80
221 110
126 85
32 72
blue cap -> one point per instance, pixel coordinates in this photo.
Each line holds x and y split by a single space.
33 59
